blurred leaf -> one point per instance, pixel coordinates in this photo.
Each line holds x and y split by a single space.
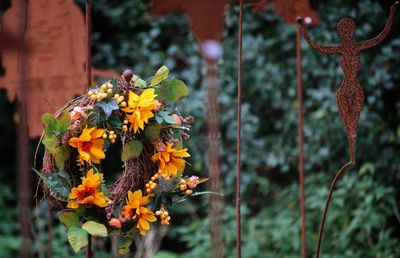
152 131
160 75
69 219
131 150
77 238
95 229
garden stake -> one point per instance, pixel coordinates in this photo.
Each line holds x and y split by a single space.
300 127
24 190
349 96
238 133
213 135
289 11
88 18
206 19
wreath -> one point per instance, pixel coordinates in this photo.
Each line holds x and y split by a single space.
142 116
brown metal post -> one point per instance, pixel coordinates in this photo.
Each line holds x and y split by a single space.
24 187
238 134
301 144
213 135
88 27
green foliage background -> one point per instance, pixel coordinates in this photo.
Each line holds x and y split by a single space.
362 219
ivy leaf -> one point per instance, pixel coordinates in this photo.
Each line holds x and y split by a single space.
69 219
60 153
49 123
114 121
95 229
160 75
152 131
169 119
108 107
63 123
159 119
77 238
59 184
53 125
131 150
96 117
124 244
174 90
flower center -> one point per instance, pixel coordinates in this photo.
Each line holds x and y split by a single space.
85 146
85 193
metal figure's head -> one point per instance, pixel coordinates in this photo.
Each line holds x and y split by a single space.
346 28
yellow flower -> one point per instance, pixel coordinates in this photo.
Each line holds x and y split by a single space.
139 109
88 192
90 145
135 209
170 160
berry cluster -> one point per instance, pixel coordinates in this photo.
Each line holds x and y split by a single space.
104 91
164 216
184 187
120 100
111 136
151 185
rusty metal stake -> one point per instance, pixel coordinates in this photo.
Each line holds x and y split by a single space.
24 193
301 144
238 134
88 27
213 135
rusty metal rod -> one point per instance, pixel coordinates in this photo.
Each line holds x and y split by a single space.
238 133
88 27
328 200
213 137
301 143
24 187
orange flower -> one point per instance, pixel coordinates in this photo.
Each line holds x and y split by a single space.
139 109
88 192
170 160
136 210
90 145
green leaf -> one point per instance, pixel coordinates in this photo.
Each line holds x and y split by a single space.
77 238
159 119
152 131
174 90
108 107
140 83
95 229
53 125
169 119
63 123
59 183
69 219
96 117
60 153
49 123
160 75
124 244
114 121
131 150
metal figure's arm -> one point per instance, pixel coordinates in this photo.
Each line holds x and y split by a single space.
316 46
378 39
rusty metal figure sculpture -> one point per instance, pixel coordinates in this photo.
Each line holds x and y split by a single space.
349 96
